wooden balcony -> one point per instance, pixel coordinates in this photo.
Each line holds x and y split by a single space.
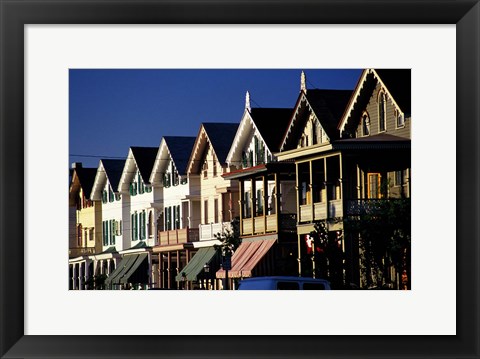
318 211
208 231
268 224
178 236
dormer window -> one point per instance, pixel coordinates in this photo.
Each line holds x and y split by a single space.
141 185
111 195
214 167
133 189
382 109
317 132
400 119
365 125
205 168
166 180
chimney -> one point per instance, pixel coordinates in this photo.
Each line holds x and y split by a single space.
247 102
303 81
76 165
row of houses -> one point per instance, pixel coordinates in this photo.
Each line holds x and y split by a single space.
319 190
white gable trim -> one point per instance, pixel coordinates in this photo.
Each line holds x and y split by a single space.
163 157
129 170
353 100
238 136
302 99
99 183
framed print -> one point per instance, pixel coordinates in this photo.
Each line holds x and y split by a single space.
92 325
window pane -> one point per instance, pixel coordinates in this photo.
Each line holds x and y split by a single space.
287 286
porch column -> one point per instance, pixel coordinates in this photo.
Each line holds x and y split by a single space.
408 183
299 259
80 276
297 189
277 201
187 259
310 186
325 176
340 180
73 276
359 183
240 204
253 197
169 266
150 268
87 272
178 269
265 202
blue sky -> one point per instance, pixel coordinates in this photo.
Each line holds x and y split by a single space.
111 110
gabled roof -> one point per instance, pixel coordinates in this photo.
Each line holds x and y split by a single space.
175 148
86 177
108 170
180 148
145 159
113 171
141 158
271 123
327 105
220 136
397 83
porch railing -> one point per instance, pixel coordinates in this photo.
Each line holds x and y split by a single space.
208 231
359 207
178 236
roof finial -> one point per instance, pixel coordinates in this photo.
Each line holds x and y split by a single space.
247 102
303 81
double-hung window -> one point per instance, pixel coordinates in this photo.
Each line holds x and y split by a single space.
382 109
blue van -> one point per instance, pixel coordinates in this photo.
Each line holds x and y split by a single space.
283 283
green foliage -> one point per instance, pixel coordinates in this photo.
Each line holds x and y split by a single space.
327 252
230 239
384 231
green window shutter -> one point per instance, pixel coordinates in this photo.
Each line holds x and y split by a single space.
136 226
132 222
103 232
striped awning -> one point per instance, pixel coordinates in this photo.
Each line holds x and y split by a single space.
246 257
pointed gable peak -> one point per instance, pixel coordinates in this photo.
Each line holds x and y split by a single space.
247 102
303 83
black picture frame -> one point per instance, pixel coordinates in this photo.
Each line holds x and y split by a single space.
15 14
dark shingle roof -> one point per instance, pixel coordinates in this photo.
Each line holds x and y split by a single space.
180 148
86 176
272 124
221 136
145 159
329 106
113 170
399 84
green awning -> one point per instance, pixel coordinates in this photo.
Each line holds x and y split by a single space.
134 266
195 266
122 267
